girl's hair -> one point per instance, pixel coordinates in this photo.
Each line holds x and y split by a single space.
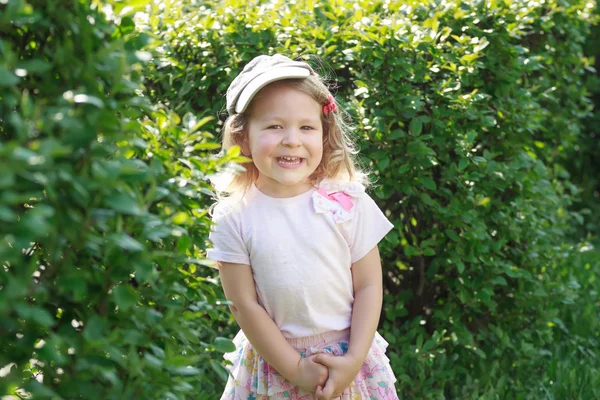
339 160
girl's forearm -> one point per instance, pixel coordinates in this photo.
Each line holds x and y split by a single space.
365 318
267 339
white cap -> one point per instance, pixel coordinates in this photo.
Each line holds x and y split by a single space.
263 80
258 73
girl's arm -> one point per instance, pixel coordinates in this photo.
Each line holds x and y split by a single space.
368 297
263 333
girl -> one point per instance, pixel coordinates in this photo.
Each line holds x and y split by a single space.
295 242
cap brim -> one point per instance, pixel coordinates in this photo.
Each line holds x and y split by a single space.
263 80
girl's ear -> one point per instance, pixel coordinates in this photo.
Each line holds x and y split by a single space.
245 148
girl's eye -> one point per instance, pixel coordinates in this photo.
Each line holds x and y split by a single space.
305 127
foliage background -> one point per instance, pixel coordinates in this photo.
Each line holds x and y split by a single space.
477 118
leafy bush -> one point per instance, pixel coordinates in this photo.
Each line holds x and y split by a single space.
467 112
101 204
582 163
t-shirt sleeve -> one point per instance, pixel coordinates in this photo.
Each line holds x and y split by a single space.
226 239
369 227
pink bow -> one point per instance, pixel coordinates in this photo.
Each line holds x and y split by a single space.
330 106
344 199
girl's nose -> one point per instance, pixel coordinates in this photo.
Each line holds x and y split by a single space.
291 138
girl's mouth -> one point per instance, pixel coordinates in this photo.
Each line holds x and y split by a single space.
290 162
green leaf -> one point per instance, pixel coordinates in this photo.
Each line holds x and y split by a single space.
425 119
499 280
430 344
383 163
429 252
181 218
223 345
42 317
124 203
35 66
201 123
410 251
75 284
36 314
94 329
7 78
126 242
41 391
184 243
125 296
329 50
513 272
7 179
7 215
379 154
180 360
397 134
404 168
426 199
417 147
415 127
207 146
153 361
234 151
480 353
452 235
220 370
462 164
428 183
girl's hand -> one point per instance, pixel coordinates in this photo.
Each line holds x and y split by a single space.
310 374
342 371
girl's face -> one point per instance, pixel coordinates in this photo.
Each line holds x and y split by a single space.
285 139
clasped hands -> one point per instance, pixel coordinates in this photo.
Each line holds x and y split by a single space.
327 375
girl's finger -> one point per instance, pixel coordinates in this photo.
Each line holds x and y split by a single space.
322 359
319 394
328 389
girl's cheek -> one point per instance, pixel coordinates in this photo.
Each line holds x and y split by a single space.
268 140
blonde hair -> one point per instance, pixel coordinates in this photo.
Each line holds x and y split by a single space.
339 160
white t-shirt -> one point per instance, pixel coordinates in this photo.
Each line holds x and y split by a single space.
301 250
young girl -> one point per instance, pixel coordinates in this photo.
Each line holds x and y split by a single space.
295 242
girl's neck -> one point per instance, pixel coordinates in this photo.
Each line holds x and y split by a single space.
283 191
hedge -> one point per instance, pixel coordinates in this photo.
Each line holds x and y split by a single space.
101 203
468 112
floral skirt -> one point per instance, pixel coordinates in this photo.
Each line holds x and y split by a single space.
252 378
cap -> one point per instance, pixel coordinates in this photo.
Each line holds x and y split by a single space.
257 74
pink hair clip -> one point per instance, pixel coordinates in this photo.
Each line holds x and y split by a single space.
330 106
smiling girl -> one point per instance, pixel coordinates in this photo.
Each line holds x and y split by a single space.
295 239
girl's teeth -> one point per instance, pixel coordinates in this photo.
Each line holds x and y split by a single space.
289 161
